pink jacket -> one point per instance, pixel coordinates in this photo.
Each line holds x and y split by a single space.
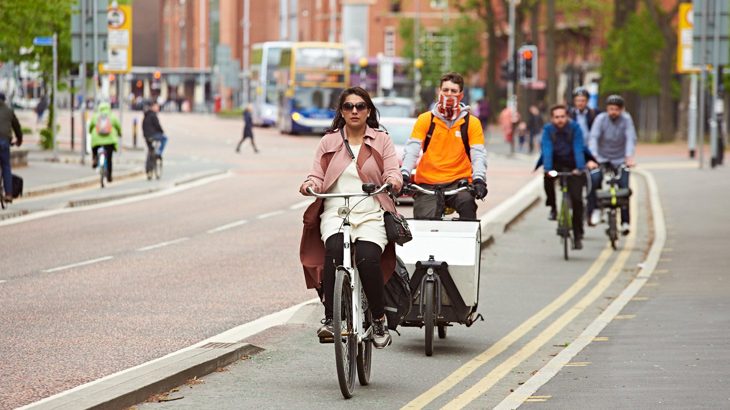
377 163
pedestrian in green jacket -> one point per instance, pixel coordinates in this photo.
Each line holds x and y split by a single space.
105 131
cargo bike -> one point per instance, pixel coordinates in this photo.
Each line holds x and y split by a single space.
443 261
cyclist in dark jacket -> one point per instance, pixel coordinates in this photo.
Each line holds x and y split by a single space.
8 124
151 128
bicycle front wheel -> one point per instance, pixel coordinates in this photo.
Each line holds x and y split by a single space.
612 229
345 338
566 239
365 353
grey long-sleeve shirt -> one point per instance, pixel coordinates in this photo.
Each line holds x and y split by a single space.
612 140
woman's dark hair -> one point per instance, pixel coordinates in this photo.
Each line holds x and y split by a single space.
339 121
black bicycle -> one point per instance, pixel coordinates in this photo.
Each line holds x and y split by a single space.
154 161
565 215
613 198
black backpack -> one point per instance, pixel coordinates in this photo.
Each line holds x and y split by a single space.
397 295
464 135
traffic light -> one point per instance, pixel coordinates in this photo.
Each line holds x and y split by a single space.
527 57
505 73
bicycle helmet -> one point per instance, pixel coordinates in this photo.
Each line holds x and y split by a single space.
616 100
581 91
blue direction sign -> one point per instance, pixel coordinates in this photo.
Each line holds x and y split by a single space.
46 41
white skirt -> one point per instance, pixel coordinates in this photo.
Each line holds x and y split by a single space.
371 230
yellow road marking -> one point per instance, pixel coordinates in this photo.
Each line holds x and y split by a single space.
661 271
500 346
540 397
620 317
639 298
651 285
487 382
600 339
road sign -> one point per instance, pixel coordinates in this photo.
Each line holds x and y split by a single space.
684 40
119 21
709 16
46 41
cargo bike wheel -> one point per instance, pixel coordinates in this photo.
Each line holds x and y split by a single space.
429 317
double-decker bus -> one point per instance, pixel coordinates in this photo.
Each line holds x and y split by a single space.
265 64
313 75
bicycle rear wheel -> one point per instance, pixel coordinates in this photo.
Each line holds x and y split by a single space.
102 169
2 193
345 338
365 353
158 167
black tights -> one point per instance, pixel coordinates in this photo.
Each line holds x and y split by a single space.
367 260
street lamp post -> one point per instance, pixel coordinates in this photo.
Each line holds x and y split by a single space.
363 62
417 65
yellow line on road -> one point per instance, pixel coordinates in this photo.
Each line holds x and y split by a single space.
500 346
486 383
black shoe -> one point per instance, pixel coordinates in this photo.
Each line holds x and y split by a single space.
553 215
327 331
577 244
381 336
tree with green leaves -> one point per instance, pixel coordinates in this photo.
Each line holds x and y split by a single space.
22 21
664 18
452 48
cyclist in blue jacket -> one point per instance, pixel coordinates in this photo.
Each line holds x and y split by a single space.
563 149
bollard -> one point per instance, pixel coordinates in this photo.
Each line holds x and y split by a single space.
134 133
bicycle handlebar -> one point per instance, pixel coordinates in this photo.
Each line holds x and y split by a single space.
380 190
553 173
433 192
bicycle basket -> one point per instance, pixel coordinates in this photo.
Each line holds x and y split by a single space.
605 199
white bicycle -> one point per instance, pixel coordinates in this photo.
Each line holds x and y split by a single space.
353 350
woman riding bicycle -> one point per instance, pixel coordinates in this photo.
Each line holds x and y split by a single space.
352 152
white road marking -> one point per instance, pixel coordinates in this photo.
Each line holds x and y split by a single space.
228 226
76 265
2 281
589 334
52 212
270 214
162 244
301 204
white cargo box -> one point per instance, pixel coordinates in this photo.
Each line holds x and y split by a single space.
457 243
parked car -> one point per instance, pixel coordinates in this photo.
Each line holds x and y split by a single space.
399 129
396 107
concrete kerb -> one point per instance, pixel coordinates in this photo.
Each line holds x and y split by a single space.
78 183
136 384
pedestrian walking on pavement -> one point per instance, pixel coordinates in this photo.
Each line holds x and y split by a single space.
105 131
247 129
352 152
8 124
535 124
40 109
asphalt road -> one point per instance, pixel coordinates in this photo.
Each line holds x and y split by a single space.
106 287
533 307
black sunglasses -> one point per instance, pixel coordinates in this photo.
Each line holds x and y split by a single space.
348 106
